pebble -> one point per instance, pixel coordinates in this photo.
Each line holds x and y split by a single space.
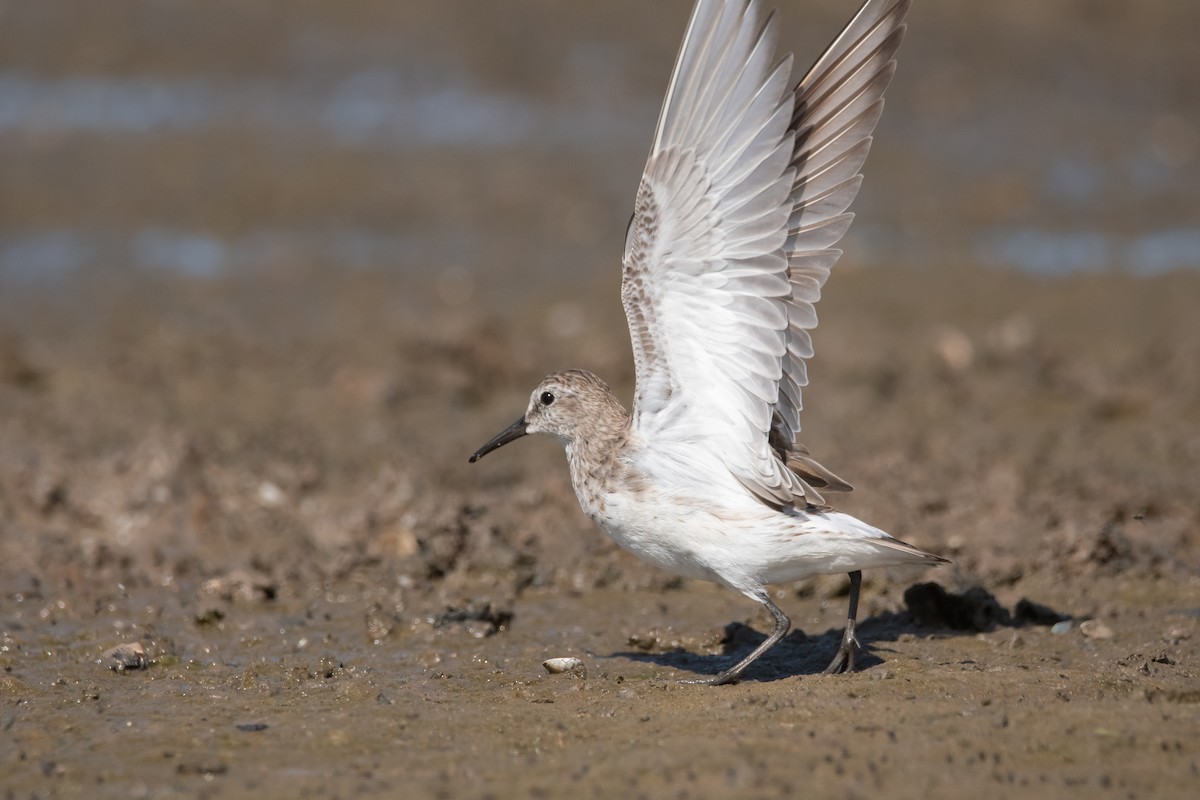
271 495
1095 629
1062 627
1176 634
126 657
557 666
955 349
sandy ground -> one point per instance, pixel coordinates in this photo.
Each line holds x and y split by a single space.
252 482
331 602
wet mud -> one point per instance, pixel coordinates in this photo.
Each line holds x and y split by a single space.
309 590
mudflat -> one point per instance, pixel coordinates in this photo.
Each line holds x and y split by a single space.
317 594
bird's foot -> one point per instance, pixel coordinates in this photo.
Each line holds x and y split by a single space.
843 659
720 679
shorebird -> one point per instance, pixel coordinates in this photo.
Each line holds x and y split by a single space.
743 198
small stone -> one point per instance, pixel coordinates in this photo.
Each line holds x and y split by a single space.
270 495
240 585
1095 629
380 623
955 349
126 657
1176 634
1060 628
557 666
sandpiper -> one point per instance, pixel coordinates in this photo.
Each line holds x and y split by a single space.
744 195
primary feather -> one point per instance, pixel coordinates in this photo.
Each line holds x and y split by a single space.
743 197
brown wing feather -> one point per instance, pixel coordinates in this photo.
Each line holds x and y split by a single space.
813 474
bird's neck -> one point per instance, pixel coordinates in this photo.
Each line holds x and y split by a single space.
593 448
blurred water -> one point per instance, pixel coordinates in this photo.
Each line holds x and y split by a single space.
45 259
374 108
1057 253
1042 194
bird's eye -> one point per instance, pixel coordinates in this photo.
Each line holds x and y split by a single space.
547 398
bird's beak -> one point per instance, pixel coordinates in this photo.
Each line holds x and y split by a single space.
514 431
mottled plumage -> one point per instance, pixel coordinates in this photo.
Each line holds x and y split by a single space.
743 198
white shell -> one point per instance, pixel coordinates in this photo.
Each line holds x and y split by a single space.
556 666
1095 629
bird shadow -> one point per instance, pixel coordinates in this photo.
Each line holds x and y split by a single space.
930 610
796 654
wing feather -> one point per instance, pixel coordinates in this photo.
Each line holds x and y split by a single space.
745 192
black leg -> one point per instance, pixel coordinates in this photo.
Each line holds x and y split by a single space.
843 660
782 624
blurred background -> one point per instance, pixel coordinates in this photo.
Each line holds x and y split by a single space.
491 150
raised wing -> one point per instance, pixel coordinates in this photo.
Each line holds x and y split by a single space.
837 104
743 196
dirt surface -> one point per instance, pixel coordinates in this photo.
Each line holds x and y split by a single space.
242 552
331 602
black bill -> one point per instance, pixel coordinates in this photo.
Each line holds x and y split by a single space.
514 431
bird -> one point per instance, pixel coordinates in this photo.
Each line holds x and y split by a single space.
744 195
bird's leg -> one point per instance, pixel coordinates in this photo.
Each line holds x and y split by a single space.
843 660
782 624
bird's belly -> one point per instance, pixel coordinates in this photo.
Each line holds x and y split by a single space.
673 536
743 547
